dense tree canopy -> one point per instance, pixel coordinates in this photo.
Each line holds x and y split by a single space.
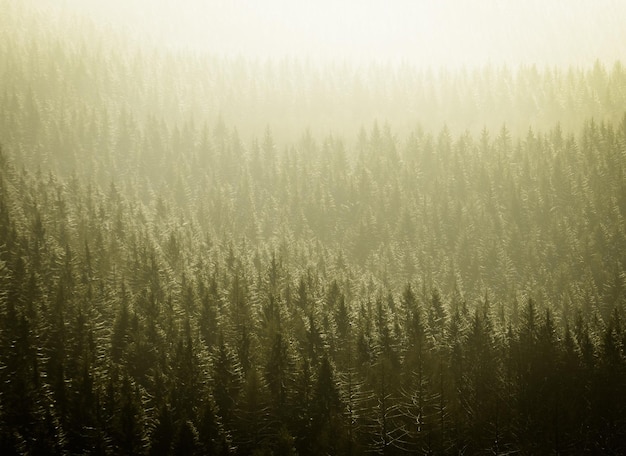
177 277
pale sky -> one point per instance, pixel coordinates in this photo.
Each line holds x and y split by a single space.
435 32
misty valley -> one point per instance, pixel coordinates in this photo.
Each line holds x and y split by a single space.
205 254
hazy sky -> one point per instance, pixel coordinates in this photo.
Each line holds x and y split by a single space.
433 32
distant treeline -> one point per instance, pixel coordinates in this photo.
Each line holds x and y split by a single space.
94 78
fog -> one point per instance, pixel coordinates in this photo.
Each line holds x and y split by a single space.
449 33
288 228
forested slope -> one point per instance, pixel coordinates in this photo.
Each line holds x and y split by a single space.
186 273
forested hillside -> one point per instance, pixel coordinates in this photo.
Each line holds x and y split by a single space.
202 255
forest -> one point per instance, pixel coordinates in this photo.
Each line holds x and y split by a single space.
209 255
